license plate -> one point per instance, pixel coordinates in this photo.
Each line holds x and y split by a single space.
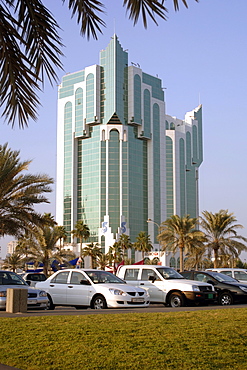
210 296
137 300
32 301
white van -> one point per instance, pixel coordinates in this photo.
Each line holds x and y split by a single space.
238 274
167 286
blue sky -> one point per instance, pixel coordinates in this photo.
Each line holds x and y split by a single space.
201 56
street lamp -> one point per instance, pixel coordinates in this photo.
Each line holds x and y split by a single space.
155 223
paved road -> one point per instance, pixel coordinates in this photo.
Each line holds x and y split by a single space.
152 308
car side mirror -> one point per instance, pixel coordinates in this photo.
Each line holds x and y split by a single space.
28 282
152 278
85 282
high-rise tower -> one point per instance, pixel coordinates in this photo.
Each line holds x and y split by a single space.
120 159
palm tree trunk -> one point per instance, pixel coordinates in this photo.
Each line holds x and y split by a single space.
216 257
181 255
81 252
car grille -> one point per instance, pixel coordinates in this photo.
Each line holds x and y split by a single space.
134 294
206 288
32 295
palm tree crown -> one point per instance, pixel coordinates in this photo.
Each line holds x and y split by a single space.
92 250
222 237
30 46
143 243
19 193
124 242
81 232
180 233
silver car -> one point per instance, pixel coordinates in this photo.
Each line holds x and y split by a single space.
97 289
36 298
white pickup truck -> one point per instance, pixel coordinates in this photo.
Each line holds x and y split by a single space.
167 286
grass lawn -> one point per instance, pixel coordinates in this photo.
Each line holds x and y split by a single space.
201 340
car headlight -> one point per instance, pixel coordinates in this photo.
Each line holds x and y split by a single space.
42 293
117 292
195 288
244 288
3 294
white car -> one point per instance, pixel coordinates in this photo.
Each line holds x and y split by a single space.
8 279
32 277
97 289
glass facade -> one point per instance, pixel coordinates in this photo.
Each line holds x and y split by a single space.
156 166
169 178
182 177
124 169
68 165
138 184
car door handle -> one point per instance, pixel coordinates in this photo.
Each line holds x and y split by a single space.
142 284
70 286
52 285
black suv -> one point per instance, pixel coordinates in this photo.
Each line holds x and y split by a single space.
228 289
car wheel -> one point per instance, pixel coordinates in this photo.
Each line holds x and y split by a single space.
50 304
98 303
225 299
176 300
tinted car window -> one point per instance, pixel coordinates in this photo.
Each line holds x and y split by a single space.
201 277
131 274
10 278
36 277
221 277
149 273
61 278
101 277
229 273
169 273
77 277
240 275
187 275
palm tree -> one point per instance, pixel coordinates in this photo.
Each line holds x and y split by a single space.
93 251
103 261
195 257
143 243
13 262
115 255
19 193
62 235
81 232
222 237
44 249
124 243
49 219
180 233
30 46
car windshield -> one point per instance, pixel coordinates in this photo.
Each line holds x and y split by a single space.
169 273
10 278
103 277
222 277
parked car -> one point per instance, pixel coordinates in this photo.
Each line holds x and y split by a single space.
167 286
97 289
229 290
33 277
238 274
36 298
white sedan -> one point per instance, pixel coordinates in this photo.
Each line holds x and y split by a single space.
97 289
